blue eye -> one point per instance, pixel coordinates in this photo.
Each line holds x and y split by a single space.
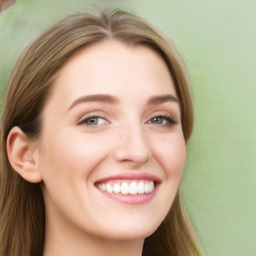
93 120
162 120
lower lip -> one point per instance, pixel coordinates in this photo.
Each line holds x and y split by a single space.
131 199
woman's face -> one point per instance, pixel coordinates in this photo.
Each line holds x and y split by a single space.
111 150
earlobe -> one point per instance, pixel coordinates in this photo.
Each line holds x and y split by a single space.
21 152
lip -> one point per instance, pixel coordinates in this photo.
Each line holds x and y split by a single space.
130 199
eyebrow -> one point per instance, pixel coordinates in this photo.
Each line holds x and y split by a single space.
162 99
95 98
110 99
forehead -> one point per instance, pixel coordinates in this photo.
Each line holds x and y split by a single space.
113 67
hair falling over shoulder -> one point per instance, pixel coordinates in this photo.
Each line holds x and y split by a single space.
22 212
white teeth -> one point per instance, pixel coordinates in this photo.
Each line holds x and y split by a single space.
143 187
150 186
146 188
117 188
133 188
103 187
125 189
109 188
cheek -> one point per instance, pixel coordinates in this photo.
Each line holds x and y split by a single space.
171 155
72 158
67 166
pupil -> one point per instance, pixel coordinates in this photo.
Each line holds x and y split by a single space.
157 120
92 121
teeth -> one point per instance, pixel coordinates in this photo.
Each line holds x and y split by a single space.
102 187
117 188
150 186
133 188
142 187
125 189
109 188
146 187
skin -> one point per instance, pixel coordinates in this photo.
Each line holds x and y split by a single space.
72 155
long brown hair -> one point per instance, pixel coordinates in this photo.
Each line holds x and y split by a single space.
22 213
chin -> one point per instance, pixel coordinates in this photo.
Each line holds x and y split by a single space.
130 233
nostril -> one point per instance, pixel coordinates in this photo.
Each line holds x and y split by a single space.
132 155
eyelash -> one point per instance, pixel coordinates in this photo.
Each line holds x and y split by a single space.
83 122
170 121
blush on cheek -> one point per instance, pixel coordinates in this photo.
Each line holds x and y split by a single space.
173 158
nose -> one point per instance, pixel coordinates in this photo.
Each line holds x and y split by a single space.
133 146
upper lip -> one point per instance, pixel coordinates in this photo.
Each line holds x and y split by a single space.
130 176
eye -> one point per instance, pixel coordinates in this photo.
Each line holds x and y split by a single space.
93 121
162 120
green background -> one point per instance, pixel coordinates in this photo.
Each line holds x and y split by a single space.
217 40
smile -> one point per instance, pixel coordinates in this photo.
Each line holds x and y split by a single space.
128 187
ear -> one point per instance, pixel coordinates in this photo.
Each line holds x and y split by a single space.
22 152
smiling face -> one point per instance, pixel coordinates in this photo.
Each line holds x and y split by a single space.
111 149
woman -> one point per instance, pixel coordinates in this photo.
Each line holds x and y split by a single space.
94 125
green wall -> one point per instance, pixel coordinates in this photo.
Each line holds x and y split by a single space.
217 40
